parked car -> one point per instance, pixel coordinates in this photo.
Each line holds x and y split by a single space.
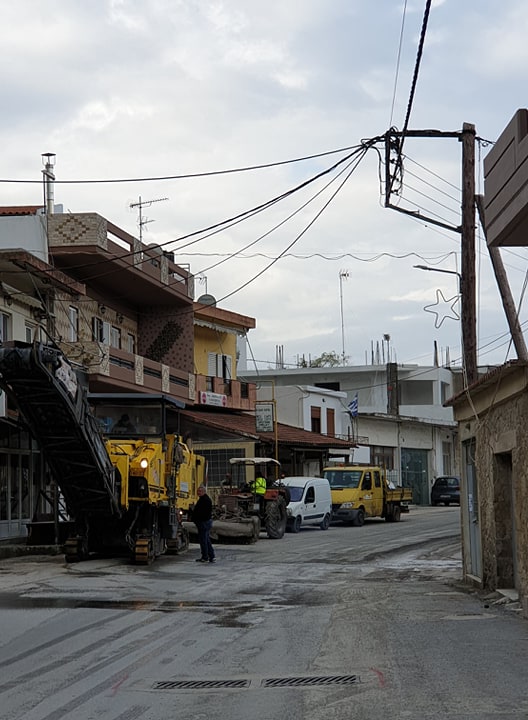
310 502
446 489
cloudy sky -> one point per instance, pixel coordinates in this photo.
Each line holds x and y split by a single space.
139 90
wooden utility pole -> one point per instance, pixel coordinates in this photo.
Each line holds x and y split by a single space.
466 229
512 316
468 313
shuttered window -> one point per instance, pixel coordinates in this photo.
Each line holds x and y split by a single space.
219 366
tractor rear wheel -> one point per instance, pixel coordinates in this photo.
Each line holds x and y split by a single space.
275 518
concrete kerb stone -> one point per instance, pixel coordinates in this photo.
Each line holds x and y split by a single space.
21 550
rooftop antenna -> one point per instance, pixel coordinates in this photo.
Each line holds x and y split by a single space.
143 221
343 275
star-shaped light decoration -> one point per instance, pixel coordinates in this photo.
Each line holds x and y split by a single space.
445 309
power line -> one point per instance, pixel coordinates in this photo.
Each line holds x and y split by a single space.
220 226
399 158
188 175
398 61
285 220
298 237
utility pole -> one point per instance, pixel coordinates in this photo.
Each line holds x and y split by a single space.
467 281
466 228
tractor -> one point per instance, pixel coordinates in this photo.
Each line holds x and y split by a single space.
239 499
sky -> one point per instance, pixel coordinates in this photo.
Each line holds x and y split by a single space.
162 97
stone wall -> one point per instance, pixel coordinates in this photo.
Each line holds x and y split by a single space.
502 472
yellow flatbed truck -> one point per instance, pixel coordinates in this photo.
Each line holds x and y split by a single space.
362 491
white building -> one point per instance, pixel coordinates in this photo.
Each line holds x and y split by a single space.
400 424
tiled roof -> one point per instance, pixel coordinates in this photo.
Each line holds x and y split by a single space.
244 424
19 209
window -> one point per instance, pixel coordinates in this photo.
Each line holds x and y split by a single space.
73 329
219 366
131 343
383 457
446 457
29 333
377 479
367 482
330 422
315 417
5 327
101 331
310 495
115 337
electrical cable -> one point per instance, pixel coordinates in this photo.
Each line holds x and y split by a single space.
278 225
398 61
221 225
298 237
399 159
188 175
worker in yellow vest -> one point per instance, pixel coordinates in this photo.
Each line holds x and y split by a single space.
259 484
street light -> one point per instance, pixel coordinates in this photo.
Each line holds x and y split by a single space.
449 272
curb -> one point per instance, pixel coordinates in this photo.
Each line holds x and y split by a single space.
11 551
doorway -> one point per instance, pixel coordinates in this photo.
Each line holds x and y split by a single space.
505 529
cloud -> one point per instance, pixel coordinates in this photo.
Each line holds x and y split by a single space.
148 88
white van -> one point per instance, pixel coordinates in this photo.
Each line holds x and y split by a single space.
310 502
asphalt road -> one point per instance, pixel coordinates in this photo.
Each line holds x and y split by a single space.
368 622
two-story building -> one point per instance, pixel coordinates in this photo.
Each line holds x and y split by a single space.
124 315
393 414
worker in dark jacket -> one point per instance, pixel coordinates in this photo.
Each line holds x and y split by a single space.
202 515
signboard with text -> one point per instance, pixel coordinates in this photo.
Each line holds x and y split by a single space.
264 417
210 398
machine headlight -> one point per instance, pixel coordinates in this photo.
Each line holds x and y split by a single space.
144 463
347 504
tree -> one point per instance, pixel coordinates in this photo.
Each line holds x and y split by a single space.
329 359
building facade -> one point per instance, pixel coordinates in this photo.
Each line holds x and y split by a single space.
122 312
393 415
492 416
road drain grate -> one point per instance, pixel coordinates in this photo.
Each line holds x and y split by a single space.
265 683
200 684
303 681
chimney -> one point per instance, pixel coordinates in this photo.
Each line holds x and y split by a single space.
48 160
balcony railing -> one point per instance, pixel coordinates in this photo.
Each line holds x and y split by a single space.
113 370
239 395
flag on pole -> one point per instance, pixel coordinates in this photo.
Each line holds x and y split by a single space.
353 406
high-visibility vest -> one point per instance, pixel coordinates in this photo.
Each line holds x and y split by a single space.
258 485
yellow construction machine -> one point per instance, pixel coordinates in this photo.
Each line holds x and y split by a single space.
123 471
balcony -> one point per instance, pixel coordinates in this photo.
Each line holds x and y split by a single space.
112 370
114 263
238 395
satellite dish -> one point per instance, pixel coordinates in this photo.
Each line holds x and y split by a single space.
207 300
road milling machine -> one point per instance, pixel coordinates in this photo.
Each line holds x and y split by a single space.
120 465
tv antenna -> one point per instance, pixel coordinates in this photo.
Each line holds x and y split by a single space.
144 221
